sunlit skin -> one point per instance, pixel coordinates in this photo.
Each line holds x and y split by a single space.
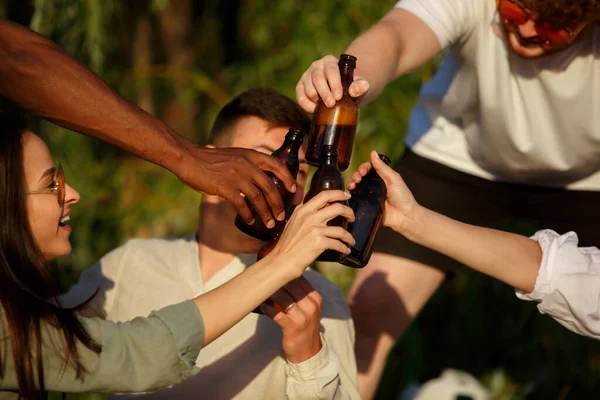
43 211
526 31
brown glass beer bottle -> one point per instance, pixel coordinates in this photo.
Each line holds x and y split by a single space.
328 177
335 126
288 154
368 204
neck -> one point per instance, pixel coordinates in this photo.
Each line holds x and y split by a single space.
217 247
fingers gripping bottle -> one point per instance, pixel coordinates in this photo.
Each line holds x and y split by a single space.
335 126
288 154
328 177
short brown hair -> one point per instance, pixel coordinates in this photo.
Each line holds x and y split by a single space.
267 104
566 11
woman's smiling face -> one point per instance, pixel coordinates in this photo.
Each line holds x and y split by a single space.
45 215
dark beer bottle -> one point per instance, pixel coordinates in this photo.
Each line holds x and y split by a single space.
335 126
328 177
368 204
288 154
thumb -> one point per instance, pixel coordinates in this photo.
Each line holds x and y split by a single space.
358 87
388 175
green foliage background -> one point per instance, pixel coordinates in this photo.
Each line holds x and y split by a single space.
182 60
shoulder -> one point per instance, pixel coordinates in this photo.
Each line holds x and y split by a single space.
452 21
161 249
159 255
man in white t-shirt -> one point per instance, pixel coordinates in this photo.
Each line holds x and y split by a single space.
309 355
507 129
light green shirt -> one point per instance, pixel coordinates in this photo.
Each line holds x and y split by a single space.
140 355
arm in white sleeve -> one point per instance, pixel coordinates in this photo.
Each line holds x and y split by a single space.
568 283
451 21
317 378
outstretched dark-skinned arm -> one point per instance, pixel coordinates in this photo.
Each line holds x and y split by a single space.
42 78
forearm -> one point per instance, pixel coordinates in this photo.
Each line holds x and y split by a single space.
510 258
41 77
374 64
225 306
399 43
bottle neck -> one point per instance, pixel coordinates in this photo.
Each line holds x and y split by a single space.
330 161
289 147
347 75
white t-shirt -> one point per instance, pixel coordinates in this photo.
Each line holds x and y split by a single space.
568 283
247 361
492 114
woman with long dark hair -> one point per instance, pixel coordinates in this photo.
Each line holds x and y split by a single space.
46 347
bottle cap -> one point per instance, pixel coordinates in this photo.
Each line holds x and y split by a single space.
294 133
347 59
385 159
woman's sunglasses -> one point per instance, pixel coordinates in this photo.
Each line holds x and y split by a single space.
549 35
57 185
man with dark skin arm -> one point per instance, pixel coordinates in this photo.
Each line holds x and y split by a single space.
41 77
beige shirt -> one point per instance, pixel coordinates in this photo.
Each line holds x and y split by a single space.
246 362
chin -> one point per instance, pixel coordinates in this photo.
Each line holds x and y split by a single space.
57 251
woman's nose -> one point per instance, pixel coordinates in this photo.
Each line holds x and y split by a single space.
71 195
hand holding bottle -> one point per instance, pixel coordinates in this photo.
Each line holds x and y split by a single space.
400 206
307 235
322 80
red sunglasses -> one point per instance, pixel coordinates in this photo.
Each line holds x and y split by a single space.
548 35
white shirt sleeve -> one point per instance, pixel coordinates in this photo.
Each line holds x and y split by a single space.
568 283
316 378
450 20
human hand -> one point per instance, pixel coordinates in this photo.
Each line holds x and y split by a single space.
306 234
400 204
300 323
322 80
237 174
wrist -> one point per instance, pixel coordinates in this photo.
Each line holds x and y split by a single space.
302 350
414 224
281 268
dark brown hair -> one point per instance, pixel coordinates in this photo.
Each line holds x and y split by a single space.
28 293
566 11
268 104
